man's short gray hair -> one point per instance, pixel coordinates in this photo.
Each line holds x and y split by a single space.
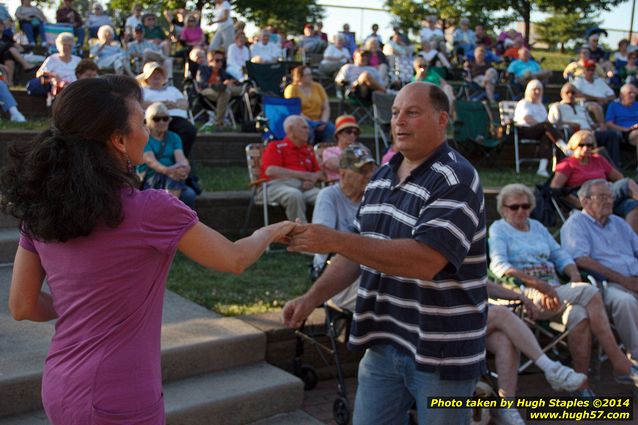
291 121
514 189
585 189
626 88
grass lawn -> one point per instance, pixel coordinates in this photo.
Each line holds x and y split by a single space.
231 178
266 286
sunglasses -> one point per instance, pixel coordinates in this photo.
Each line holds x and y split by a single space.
351 131
516 207
589 145
158 119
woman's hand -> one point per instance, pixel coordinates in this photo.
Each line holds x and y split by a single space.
279 231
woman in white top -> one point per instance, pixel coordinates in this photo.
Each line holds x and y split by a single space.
335 56
237 56
153 81
57 70
530 117
108 53
133 21
225 31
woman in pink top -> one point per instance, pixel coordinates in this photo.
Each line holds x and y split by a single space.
192 34
105 249
585 165
347 132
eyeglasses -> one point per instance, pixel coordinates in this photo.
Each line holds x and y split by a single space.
601 197
158 119
516 207
351 131
589 145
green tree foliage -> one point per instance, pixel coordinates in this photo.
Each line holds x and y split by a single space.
560 28
286 15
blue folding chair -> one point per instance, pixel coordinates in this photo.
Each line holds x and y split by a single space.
274 111
51 32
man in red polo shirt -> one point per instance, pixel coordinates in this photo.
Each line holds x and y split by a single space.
292 169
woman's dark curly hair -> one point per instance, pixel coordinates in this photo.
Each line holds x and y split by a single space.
65 181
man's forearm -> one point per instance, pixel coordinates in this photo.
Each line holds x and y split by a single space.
339 274
593 265
401 257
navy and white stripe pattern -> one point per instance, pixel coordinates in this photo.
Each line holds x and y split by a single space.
440 322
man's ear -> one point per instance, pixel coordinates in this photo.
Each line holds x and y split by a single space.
117 143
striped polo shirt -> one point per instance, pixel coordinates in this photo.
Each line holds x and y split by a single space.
440 322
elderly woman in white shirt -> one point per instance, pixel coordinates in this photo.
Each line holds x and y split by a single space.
154 89
108 52
335 56
530 117
237 56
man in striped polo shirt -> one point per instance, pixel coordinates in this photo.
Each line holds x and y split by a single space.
420 246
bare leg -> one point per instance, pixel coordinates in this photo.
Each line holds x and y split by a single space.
502 319
370 81
506 359
632 219
601 329
10 65
579 342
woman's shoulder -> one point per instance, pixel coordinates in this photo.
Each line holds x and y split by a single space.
498 226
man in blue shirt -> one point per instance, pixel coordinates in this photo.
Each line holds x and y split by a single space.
622 115
525 68
419 245
604 243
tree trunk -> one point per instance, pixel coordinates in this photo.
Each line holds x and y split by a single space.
527 18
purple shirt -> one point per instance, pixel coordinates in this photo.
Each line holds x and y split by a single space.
108 288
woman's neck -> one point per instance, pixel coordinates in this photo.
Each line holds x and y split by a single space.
523 227
64 58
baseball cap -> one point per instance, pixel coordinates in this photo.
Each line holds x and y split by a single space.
139 28
345 121
355 156
590 63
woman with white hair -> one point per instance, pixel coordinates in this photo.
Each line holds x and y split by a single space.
108 52
57 70
165 165
335 56
237 56
531 118
97 19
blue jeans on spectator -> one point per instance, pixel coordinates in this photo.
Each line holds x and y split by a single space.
36 88
31 31
623 202
389 383
6 97
325 135
79 33
610 140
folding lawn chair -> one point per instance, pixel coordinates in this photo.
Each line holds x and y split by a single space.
51 32
475 131
382 114
506 110
274 111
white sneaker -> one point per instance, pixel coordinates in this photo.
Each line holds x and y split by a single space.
563 378
18 117
542 172
506 417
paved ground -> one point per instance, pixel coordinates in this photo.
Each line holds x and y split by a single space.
318 402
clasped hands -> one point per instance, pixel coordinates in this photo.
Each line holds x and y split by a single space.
304 237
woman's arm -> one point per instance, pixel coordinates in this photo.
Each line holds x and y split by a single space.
614 175
558 180
212 250
325 110
26 299
224 16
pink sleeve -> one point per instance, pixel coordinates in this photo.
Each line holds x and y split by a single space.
331 152
167 219
564 167
26 242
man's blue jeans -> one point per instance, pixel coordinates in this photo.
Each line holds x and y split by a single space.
389 383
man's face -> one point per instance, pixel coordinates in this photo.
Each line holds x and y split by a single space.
523 54
265 38
149 22
627 96
567 94
299 132
356 180
417 128
593 42
139 35
216 61
600 202
590 73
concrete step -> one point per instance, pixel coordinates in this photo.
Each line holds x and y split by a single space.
233 396
293 418
9 237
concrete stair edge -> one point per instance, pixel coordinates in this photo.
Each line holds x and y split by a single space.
218 395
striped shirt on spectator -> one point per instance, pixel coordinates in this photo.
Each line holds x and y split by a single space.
440 322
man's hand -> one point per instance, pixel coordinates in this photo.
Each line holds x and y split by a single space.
312 238
550 299
296 311
307 185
